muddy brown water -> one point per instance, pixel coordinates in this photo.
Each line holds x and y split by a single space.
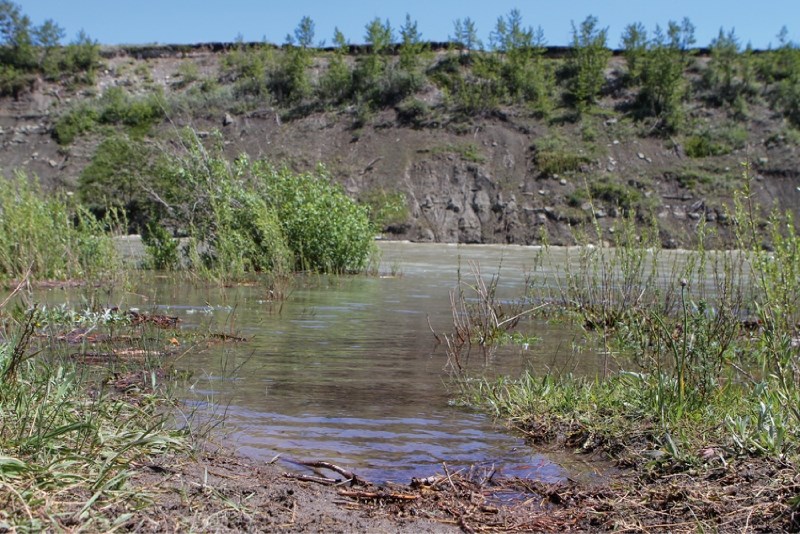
347 370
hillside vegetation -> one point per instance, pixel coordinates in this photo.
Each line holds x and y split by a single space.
505 141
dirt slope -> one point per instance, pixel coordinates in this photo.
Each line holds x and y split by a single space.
474 183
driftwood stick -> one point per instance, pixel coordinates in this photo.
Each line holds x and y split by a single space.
325 481
329 466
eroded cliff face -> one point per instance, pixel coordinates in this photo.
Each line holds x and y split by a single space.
474 182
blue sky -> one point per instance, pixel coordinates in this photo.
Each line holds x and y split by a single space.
193 21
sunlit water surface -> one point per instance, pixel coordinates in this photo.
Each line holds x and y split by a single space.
347 369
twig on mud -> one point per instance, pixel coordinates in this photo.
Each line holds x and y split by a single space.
449 477
325 481
351 478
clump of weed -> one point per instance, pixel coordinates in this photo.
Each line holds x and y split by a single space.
468 152
553 155
70 438
53 237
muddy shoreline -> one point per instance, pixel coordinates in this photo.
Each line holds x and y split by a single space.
223 492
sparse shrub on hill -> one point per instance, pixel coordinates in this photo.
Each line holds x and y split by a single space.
657 67
554 155
246 67
477 82
786 94
730 76
288 79
336 83
114 107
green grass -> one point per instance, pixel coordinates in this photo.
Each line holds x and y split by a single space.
468 152
70 434
691 374
52 237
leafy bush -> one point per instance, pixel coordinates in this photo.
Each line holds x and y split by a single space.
114 107
243 216
412 111
117 176
615 194
325 230
74 123
161 249
729 76
13 81
288 80
336 84
138 113
385 208
656 65
514 73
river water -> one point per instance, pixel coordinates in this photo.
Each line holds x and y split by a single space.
347 370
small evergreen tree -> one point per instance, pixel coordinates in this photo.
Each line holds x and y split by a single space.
465 34
588 62
336 84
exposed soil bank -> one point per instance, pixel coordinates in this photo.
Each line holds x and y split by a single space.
479 181
224 493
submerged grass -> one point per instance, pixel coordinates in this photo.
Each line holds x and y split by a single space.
709 367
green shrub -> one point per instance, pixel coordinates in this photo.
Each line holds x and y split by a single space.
188 72
730 74
13 81
468 152
288 80
138 113
161 249
615 194
701 146
117 176
325 229
246 66
385 208
553 155
718 142
692 179
74 123
114 107
243 216
412 111
656 65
